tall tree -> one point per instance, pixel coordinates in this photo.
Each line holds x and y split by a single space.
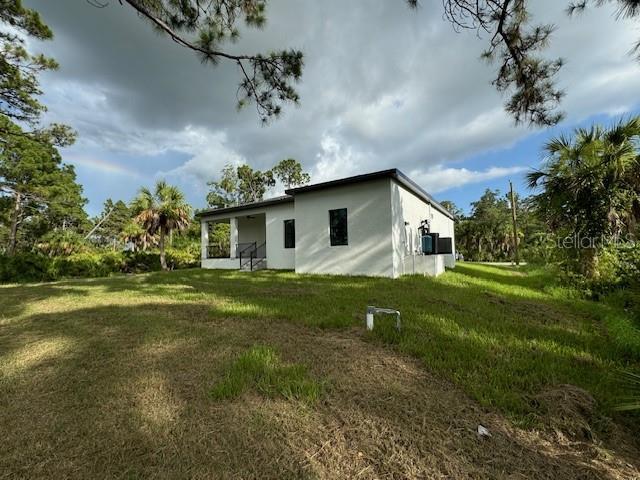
253 184
19 71
486 234
132 232
453 209
41 188
589 186
109 225
290 173
162 211
241 184
224 192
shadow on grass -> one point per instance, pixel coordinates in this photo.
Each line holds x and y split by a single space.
123 391
493 332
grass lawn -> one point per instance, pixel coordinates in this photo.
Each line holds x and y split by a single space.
216 374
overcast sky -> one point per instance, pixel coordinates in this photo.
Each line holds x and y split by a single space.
383 86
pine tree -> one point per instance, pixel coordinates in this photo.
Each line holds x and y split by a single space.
19 71
290 173
42 191
203 27
268 80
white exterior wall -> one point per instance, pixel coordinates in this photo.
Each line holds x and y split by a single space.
407 207
277 256
369 251
379 242
431 265
224 263
267 225
251 229
233 236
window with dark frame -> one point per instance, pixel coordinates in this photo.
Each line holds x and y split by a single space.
289 234
338 227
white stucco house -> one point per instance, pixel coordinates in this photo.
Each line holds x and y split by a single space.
376 224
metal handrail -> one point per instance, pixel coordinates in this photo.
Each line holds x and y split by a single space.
254 253
240 250
251 246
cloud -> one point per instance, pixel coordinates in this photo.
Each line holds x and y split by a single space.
440 178
335 161
383 86
209 154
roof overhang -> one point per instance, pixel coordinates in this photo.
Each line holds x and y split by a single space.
245 206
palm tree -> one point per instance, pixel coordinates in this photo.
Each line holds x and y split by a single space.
132 232
161 212
590 185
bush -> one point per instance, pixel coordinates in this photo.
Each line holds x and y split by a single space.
61 242
36 267
618 267
140 262
88 265
26 267
188 257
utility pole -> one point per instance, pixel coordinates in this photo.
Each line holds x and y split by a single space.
515 225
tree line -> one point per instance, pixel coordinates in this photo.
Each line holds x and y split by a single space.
583 213
46 213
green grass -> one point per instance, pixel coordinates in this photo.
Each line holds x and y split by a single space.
261 368
146 375
501 335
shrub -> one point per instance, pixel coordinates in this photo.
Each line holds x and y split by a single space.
26 267
37 267
184 258
140 262
61 242
88 265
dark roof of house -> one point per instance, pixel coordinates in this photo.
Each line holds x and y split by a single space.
245 206
393 173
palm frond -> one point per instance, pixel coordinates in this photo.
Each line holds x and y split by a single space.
534 178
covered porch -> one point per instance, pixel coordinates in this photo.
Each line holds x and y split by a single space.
234 242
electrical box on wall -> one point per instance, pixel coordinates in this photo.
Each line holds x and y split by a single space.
427 245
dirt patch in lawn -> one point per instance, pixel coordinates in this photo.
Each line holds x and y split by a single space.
124 407
387 416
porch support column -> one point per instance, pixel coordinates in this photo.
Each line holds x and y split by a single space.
233 234
204 238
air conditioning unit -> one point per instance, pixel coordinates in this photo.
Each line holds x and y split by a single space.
445 245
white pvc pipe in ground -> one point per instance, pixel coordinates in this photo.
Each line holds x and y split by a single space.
369 321
371 311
